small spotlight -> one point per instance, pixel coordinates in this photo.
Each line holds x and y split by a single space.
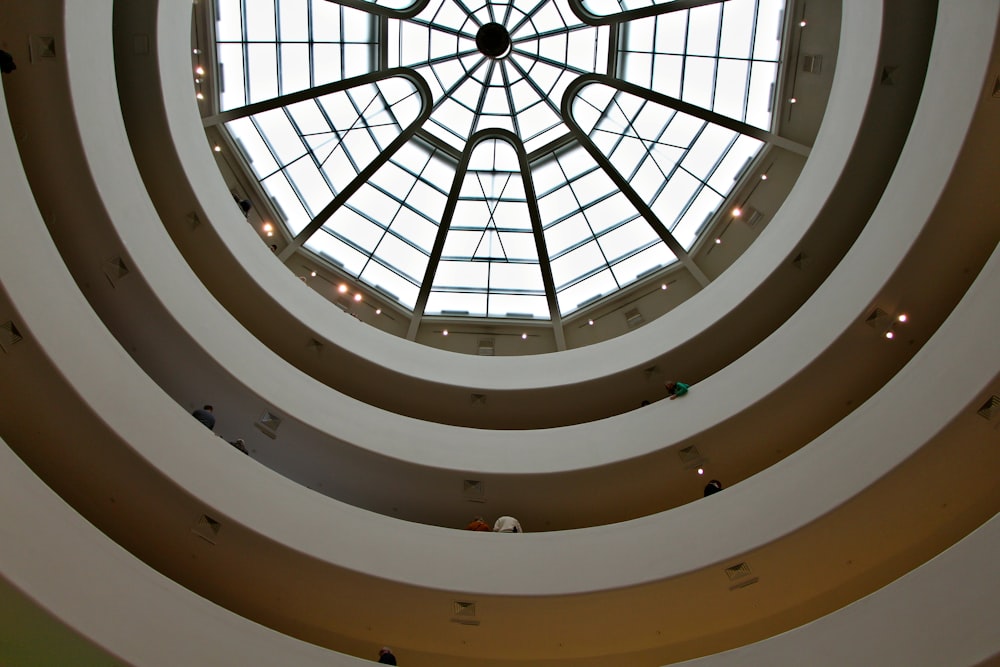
902 317
200 96
378 311
217 149
199 70
763 177
890 335
270 233
590 322
663 286
268 227
524 336
701 471
342 288
197 80
792 100
196 51
737 212
718 241
803 23
312 273
444 333
357 297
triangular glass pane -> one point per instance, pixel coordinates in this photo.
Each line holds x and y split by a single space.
497 77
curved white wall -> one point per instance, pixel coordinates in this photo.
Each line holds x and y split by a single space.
184 325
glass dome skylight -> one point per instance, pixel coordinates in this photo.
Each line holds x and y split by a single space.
515 158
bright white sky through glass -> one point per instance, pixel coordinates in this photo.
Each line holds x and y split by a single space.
489 265
721 57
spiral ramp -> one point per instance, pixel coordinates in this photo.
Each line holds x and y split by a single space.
858 522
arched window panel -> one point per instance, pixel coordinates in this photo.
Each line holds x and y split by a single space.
722 56
305 153
384 234
597 241
519 92
682 166
267 48
489 263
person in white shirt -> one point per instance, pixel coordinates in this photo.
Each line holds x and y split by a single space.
507 524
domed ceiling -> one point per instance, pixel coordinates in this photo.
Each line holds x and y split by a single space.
499 159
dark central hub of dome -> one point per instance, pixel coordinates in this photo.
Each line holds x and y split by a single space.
493 41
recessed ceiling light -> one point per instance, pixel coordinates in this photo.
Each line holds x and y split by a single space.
270 233
199 70
803 23
701 471
267 227
737 212
313 274
357 297
378 311
663 286
763 177
444 333
342 288
718 241
902 317
792 100
890 335
590 322
199 96
524 336
217 149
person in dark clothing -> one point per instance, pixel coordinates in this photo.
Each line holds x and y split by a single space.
205 416
385 656
713 486
6 62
